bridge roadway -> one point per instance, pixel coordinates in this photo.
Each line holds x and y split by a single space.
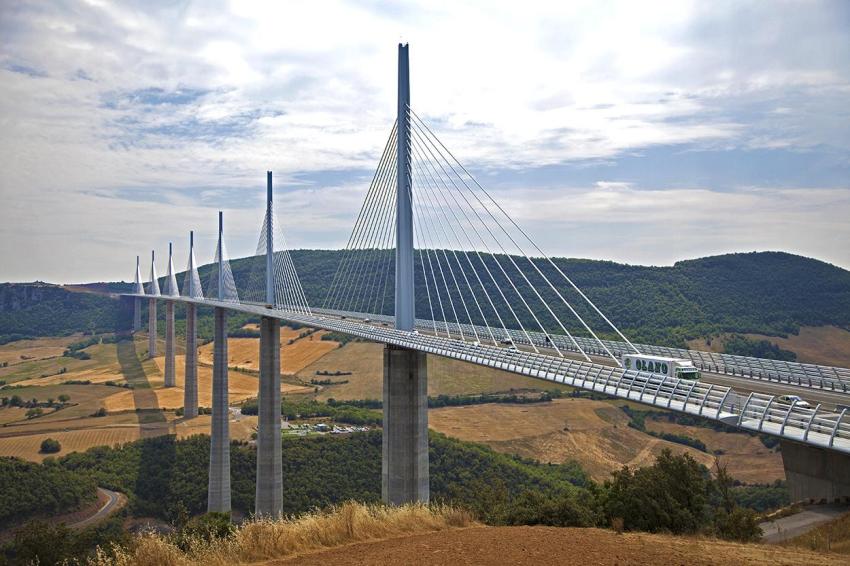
755 412
828 397
810 376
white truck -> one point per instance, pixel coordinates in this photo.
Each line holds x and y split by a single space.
671 367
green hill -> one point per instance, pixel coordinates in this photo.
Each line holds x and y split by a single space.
770 293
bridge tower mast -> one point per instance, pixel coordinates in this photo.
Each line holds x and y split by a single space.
404 466
404 299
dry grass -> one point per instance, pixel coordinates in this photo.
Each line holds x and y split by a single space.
746 458
245 352
267 539
827 345
37 349
833 536
81 434
365 361
594 433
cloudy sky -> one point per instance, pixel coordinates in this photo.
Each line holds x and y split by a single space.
626 131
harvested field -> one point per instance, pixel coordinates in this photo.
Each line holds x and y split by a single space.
244 352
241 386
365 361
594 433
82 434
545 546
37 349
745 457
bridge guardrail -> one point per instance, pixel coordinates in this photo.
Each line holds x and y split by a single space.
793 373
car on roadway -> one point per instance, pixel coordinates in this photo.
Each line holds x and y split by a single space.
796 400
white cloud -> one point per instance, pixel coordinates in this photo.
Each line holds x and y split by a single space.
306 88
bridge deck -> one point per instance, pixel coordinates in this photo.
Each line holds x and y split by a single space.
755 412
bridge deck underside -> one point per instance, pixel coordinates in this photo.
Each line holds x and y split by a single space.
755 412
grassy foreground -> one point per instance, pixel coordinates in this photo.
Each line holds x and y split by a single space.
265 539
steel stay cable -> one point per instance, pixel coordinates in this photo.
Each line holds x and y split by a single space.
527 237
370 195
550 341
427 191
451 271
445 281
510 307
478 255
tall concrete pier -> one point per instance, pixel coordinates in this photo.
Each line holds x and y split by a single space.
170 376
814 474
269 501
218 490
152 328
192 289
153 290
171 290
218 494
190 382
404 468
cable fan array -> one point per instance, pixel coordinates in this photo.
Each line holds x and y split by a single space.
478 275
288 293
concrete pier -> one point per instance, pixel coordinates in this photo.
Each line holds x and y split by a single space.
170 376
269 500
218 494
815 475
190 382
137 314
404 466
152 328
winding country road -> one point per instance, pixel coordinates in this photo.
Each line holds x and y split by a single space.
114 502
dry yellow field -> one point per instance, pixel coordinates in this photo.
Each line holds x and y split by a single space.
38 349
827 345
108 431
245 352
365 361
746 458
594 433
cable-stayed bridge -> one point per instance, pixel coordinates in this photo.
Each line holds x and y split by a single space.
435 265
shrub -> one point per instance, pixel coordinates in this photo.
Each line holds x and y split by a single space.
50 446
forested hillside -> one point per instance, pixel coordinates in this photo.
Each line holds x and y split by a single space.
39 309
765 293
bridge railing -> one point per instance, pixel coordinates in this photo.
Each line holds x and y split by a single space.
793 373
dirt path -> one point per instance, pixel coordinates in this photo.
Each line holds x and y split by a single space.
549 546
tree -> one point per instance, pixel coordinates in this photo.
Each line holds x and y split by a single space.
669 496
730 521
42 543
50 446
63 398
34 412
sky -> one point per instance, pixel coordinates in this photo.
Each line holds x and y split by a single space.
639 132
